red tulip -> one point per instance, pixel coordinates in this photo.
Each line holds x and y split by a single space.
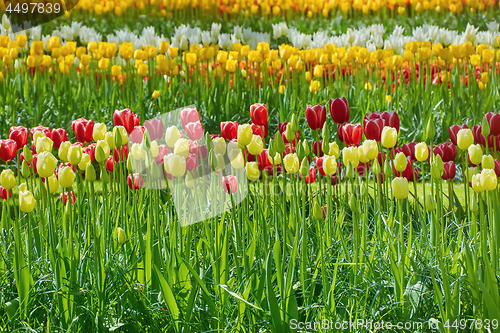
319 164
127 119
189 116
20 135
294 142
494 122
335 180
447 151
59 136
311 177
339 133
110 164
191 162
259 114
381 159
497 167
379 179
257 130
67 164
71 195
155 128
8 149
390 119
263 160
204 151
4 193
269 169
316 116
43 129
229 130
453 131
137 134
409 150
162 151
450 170
194 130
229 184
135 182
120 154
410 173
373 128
194 147
83 129
318 148
351 134
363 168
90 150
339 110
282 126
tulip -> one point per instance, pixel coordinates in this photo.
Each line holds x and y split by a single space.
194 130
370 149
453 131
110 164
263 160
26 201
391 119
430 202
99 131
259 114
334 150
421 152
47 131
316 116
310 173
181 148
66 177
175 165
400 162
4 193
256 146
229 184
20 135
110 140
464 138
447 151
120 136
172 135
155 128
8 149
191 162
127 119
7 179
229 130
475 154
389 137
351 134
244 134
188 115
121 236
477 185
43 144
260 130
137 135
83 129
351 155
276 159
373 128
488 179
85 160
137 151
449 171
329 165
494 123
291 163
252 171
339 110
74 154
488 162
46 164
90 173
135 181
400 188
64 197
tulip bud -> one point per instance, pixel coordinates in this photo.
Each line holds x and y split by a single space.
52 184
376 167
488 162
75 154
120 136
474 205
430 202
279 144
300 151
28 156
66 176
485 127
295 124
7 179
104 176
271 148
25 170
290 135
431 129
307 150
400 188
387 168
130 168
304 167
325 133
349 172
121 235
146 141
325 147
435 173
318 212
212 160
353 203
90 173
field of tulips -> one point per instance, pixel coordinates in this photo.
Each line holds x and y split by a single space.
252 166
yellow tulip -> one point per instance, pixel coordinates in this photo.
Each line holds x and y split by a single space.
175 165
74 154
181 148
291 163
63 151
99 131
219 146
252 170
7 179
172 135
400 188
334 150
238 162
476 183
329 165
84 161
66 176
155 94
43 144
52 184
244 134
256 146
46 164
488 179
389 137
26 201
370 149
138 152
475 154
464 138
350 154
421 151
116 70
121 132
121 235
488 162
